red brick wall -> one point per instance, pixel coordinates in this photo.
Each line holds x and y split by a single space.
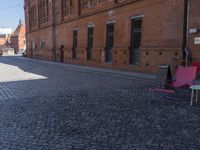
2 41
194 23
18 40
161 34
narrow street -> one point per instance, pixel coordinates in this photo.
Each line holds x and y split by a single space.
45 105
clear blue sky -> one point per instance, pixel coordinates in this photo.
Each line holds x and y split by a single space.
10 13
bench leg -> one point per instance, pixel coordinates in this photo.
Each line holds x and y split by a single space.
192 95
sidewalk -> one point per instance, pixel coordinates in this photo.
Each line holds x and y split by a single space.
103 71
113 73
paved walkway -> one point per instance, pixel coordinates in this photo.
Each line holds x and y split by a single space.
107 72
52 106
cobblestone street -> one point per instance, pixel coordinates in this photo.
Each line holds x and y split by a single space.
45 105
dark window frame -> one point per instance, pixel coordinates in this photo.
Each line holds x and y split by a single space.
74 44
90 42
135 40
110 29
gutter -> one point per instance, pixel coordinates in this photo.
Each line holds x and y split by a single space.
185 49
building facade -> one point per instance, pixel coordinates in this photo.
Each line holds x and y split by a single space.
18 39
194 29
134 35
3 39
5 36
5 31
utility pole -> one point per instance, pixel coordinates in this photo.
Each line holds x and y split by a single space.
29 28
53 23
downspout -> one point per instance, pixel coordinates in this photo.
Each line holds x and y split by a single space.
186 32
53 31
29 29
79 7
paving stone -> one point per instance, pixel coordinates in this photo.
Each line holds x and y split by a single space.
76 110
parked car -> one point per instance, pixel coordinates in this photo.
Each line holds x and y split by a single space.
1 52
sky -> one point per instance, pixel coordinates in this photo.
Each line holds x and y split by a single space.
10 13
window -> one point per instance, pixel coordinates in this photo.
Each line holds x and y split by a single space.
101 1
109 42
43 11
64 7
84 5
90 43
42 44
75 41
33 45
71 4
136 30
92 3
32 16
47 8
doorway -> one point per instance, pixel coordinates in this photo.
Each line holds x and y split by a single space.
62 53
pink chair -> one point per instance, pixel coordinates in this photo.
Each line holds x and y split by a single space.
185 76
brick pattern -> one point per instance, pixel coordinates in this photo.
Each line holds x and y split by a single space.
161 33
74 109
6 93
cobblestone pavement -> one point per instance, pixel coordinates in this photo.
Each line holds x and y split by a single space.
49 106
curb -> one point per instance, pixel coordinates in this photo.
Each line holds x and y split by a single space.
101 71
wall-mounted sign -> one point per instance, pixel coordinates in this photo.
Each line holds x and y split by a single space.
193 30
110 12
197 40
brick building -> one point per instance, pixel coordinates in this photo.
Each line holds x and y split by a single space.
18 40
194 29
3 39
134 35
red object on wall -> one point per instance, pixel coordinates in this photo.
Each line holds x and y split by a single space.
197 64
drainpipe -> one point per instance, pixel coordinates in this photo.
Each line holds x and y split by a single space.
28 29
53 30
186 32
79 7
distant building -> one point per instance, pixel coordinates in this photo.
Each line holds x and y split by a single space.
2 39
5 41
18 40
5 31
5 36
7 51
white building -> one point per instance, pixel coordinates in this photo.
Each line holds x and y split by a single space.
5 31
8 51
